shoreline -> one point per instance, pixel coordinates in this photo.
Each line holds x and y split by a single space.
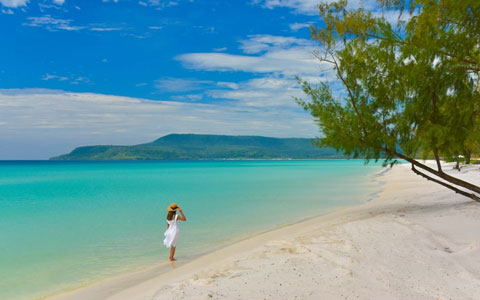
103 288
73 255
411 241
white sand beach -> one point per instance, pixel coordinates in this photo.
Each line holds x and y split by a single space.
415 240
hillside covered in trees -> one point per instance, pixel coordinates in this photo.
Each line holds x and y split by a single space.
205 147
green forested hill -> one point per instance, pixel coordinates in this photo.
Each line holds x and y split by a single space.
203 147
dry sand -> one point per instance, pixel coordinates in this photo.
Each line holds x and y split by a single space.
416 240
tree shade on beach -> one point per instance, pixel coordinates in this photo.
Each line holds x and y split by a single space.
409 88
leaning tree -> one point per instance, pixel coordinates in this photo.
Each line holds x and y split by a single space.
407 86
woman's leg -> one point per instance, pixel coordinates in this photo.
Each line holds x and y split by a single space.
172 253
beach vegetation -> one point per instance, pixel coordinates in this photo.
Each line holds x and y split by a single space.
408 86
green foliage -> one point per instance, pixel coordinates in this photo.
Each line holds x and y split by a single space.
202 147
410 88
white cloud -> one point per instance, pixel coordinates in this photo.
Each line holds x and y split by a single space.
263 42
161 4
171 84
105 28
230 85
221 49
310 7
262 92
56 77
274 54
52 24
274 60
7 11
298 26
54 122
189 97
299 6
80 79
266 92
72 79
278 59
172 3
13 3
59 2
296 60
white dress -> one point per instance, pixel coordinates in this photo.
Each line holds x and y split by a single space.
172 233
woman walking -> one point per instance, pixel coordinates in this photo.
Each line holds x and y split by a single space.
173 232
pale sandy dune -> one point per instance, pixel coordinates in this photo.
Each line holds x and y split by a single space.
416 240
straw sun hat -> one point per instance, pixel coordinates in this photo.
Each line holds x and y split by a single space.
173 207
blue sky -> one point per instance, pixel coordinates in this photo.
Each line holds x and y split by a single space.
123 72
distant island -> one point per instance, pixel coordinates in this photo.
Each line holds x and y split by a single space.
206 147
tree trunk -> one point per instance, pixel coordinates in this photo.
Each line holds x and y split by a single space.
442 175
458 191
437 159
468 156
457 165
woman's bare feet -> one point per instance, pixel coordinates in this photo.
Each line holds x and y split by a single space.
172 259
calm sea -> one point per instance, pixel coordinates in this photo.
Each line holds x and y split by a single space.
68 224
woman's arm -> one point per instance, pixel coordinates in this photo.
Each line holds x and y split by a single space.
182 217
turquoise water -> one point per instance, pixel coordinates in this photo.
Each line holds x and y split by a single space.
67 224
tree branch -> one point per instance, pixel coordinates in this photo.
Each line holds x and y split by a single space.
350 94
442 175
440 51
458 191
